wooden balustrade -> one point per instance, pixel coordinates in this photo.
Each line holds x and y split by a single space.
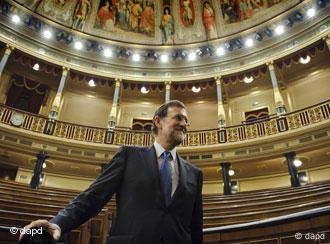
258 129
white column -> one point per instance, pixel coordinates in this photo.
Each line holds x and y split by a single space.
327 40
57 101
4 58
167 91
279 102
221 109
113 113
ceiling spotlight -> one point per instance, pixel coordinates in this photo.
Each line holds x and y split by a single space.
248 80
279 30
15 18
259 37
305 60
192 56
47 34
238 43
268 32
298 16
91 83
136 57
220 51
297 162
36 67
311 12
249 42
196 89
107 53
144 90
231 172
78 45
164 58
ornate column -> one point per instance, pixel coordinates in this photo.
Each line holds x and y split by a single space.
290 157
327 40
279 102
221 109
37 173
4 59
57 101
167 91
113 113
226 178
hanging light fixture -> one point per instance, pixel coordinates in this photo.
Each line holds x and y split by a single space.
305 60
144 90
91 83
196 89
248 80
36 67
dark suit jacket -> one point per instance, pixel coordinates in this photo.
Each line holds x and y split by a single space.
142 216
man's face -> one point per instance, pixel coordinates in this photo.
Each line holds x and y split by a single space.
173 127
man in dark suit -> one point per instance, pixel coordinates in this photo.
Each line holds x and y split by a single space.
158 194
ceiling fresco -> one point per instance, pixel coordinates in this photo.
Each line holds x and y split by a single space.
159 22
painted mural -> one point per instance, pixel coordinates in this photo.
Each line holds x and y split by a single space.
239 10
209 20
126 15
63 11
31 4
167 27
187 12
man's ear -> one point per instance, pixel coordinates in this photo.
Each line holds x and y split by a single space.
157 121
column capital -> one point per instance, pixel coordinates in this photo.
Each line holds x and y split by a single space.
168 82
270 65
217 79
327 39
65 70
9 49
117 82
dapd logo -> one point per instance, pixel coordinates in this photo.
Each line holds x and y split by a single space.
23 231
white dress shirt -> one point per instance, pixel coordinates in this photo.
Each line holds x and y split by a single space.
173 163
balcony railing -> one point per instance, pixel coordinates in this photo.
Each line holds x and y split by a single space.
274 125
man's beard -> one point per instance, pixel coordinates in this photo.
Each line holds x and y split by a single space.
177 137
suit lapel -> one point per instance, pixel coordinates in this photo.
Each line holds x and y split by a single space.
182 183
150 158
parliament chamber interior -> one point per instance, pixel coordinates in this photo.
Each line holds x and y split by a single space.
80 78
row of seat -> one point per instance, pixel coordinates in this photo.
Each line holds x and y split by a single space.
219 210
20 205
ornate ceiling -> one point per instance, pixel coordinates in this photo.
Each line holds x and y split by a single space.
153 41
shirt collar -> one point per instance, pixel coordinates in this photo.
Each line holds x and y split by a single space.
159 151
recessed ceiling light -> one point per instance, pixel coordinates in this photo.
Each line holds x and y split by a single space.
36 67
279 30
192 56
305 60
231 172
107 53
164 58
144 90
15 18
297 162
136 57
47 34
196 89
248 80
91 83
311 12
220 51
249 42
78 45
